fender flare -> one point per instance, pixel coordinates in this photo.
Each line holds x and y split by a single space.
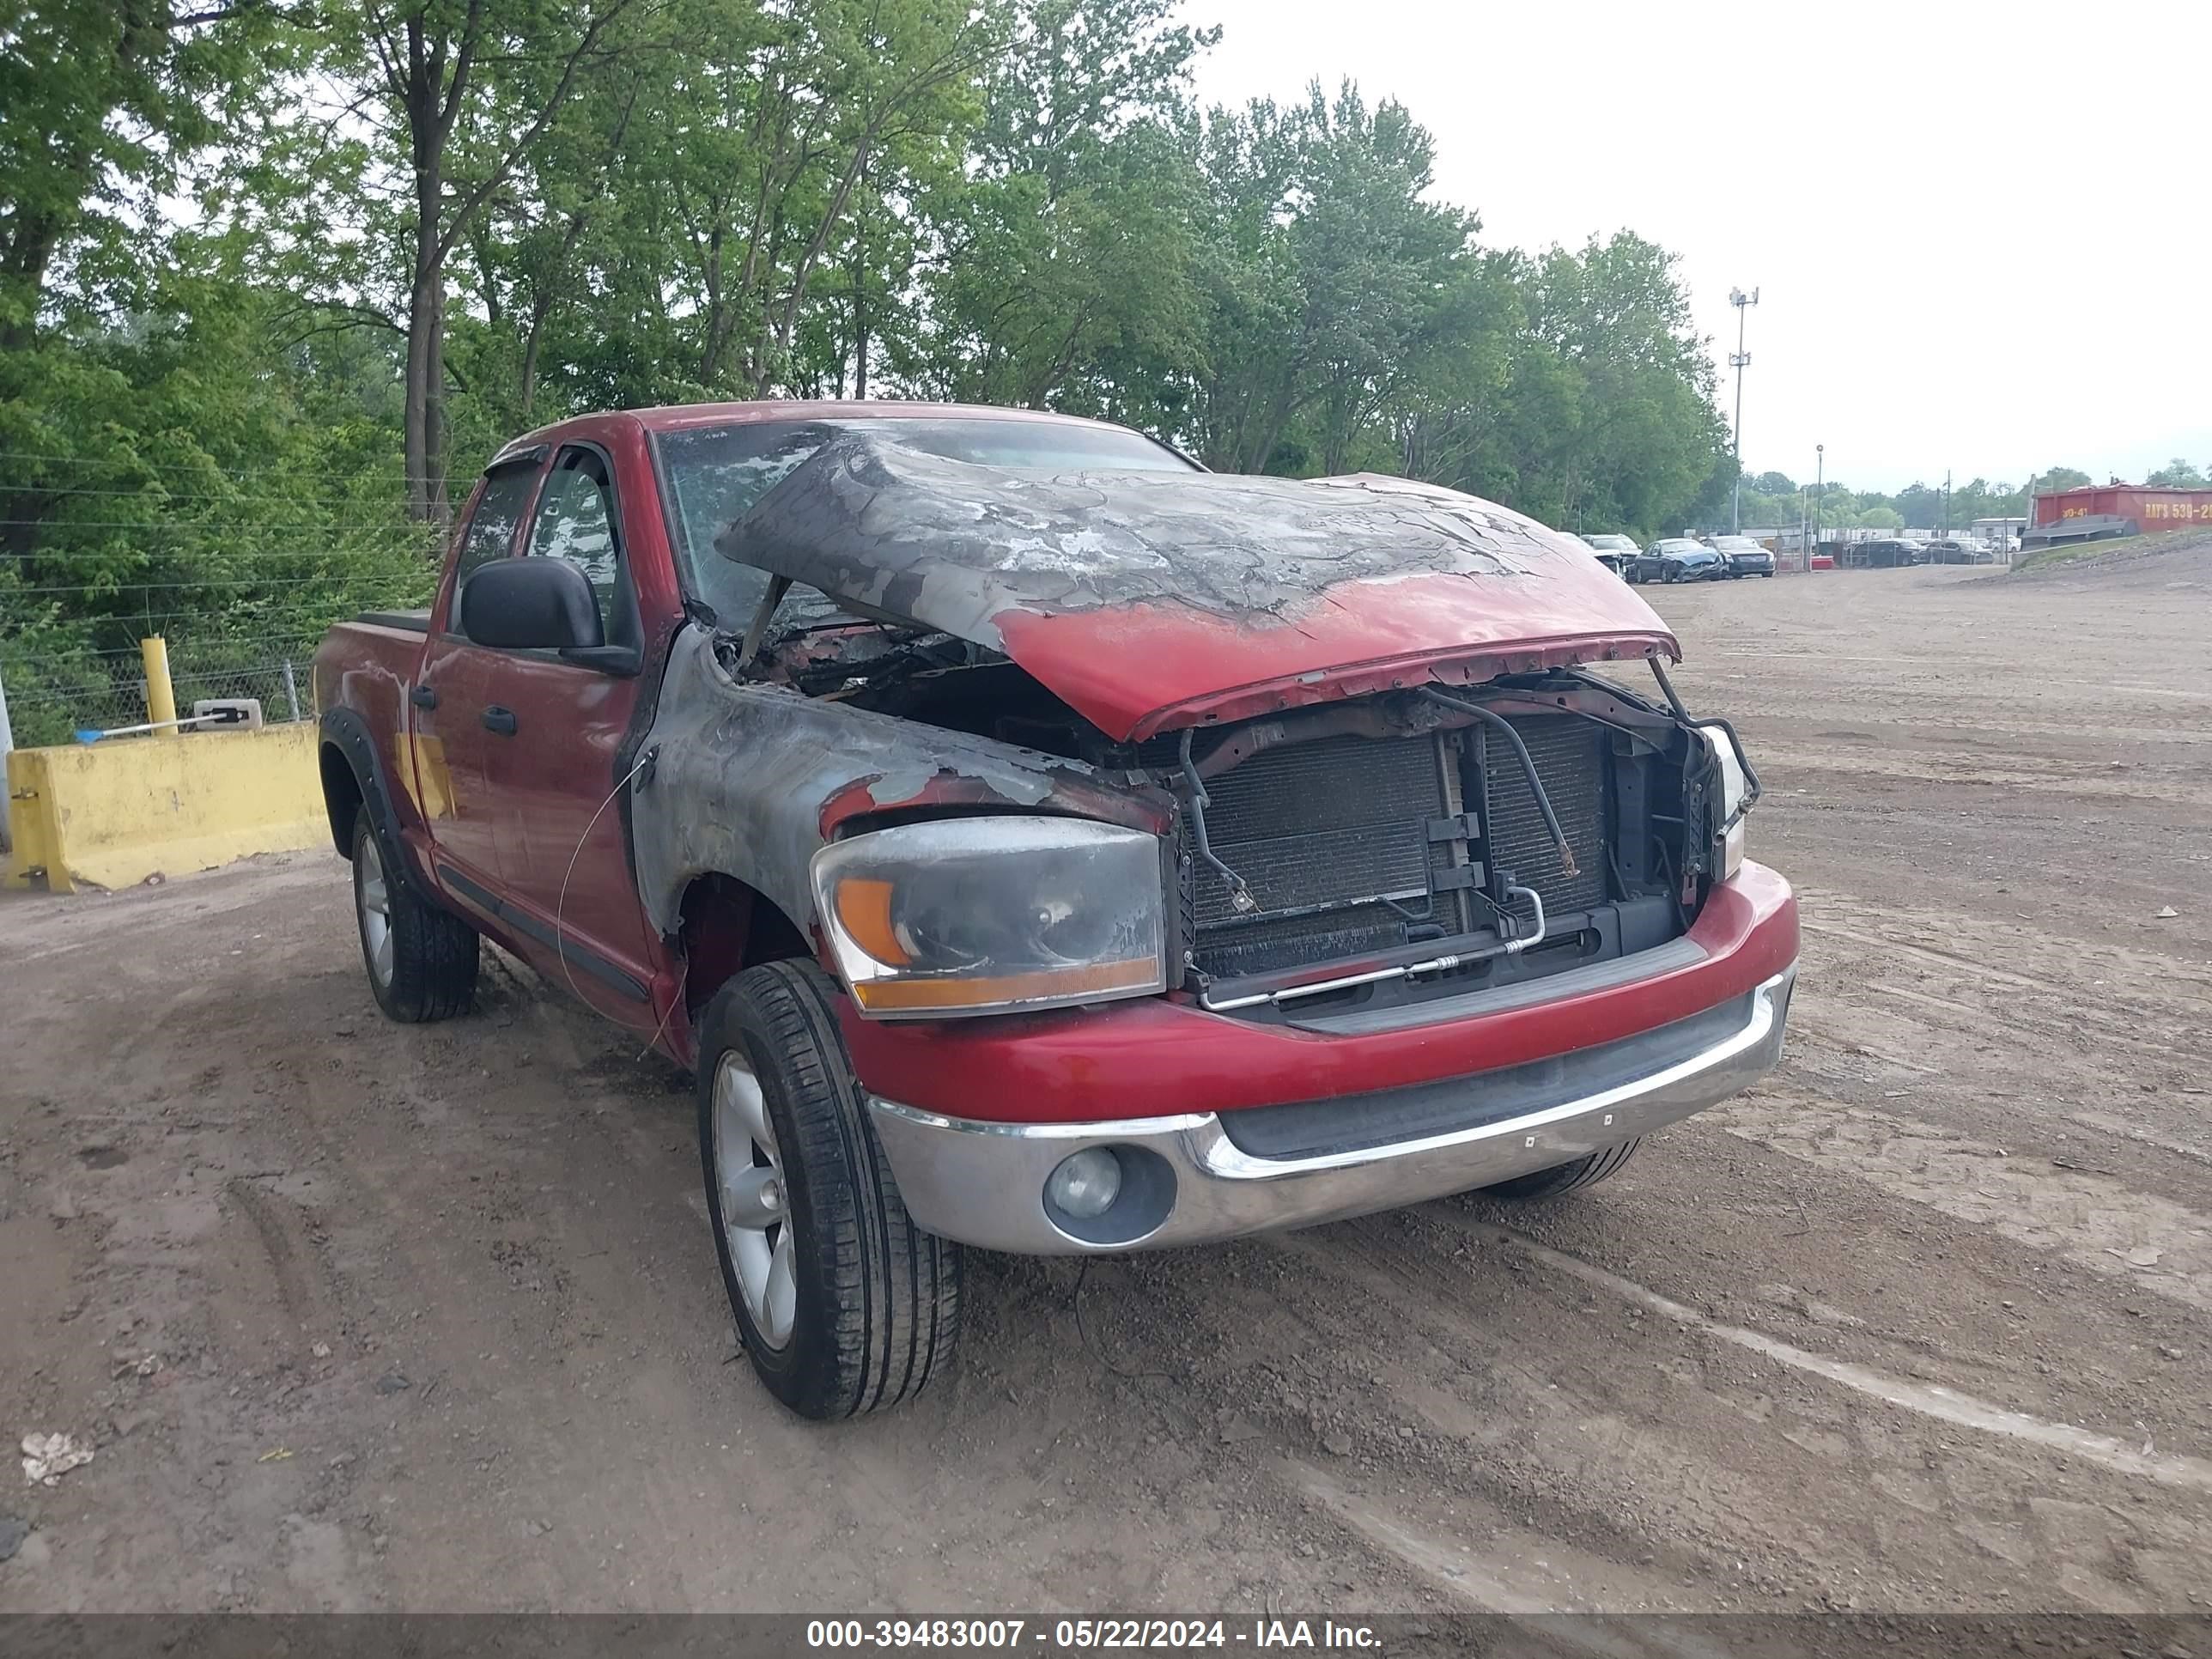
345 731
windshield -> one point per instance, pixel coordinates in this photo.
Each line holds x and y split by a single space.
1683 547
715 474
1735 544
1613 544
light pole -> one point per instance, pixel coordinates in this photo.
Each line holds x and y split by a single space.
1819 488
1739 360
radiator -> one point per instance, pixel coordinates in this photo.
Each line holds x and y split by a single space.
1570 757
1329 835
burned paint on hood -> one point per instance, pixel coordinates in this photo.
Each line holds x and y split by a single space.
1150 599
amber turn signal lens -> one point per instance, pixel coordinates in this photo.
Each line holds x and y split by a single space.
1073 982
864 906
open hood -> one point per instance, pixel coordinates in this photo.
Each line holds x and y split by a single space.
1152 600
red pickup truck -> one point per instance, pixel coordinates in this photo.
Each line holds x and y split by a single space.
1035 842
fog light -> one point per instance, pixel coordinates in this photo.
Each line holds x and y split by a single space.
1085 1184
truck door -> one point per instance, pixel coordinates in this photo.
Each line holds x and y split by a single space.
567 861
454 705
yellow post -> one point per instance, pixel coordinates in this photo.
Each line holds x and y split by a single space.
160 696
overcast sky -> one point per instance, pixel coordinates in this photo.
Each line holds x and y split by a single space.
1981 233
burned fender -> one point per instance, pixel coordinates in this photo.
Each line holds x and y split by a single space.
748 780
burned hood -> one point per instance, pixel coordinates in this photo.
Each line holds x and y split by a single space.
1147 600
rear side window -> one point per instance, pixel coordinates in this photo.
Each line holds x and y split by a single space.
490 534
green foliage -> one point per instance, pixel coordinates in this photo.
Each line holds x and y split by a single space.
2178 474
1772 499
265 266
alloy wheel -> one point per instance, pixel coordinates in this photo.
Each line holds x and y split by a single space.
749 1180
373 894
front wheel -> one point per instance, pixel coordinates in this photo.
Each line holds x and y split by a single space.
1670 577
1566 1177
842 1303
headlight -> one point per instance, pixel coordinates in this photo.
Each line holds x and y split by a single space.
1734 794
982 915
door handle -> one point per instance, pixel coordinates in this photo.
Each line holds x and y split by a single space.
499 719
423 696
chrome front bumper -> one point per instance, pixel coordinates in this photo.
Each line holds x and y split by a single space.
983 1183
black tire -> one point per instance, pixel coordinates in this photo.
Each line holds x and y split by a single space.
1566 1177
1668 576
1767 572
430 971
876 1313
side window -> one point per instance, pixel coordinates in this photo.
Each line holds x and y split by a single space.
490 534
575 522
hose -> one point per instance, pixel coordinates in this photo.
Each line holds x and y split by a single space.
1567 866
1752 789
1240 895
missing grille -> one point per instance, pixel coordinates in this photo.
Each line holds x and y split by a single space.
1333 840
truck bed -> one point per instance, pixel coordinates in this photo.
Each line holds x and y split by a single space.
407 622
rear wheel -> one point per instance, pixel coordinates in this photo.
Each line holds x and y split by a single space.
422 960
1566 1177
842 1303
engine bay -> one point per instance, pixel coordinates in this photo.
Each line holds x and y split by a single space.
1356 854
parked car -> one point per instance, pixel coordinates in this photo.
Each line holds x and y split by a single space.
1611 561
1613 552
1957 549
1032 841
1676 559
1745 556
1885 554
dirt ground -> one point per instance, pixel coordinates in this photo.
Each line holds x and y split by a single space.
360 1316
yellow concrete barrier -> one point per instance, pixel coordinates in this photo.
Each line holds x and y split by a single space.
113 813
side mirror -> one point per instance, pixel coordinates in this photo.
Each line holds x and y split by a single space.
532 604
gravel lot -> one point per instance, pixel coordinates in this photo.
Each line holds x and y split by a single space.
365 1317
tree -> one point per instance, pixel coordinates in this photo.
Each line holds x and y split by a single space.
103 106
2178 474
266 265
1599 413
468 86
1919 505
1067 269
1331 268
842 102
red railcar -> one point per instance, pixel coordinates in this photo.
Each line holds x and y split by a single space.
2096 511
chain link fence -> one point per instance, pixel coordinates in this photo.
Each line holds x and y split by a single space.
239 570
57 699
